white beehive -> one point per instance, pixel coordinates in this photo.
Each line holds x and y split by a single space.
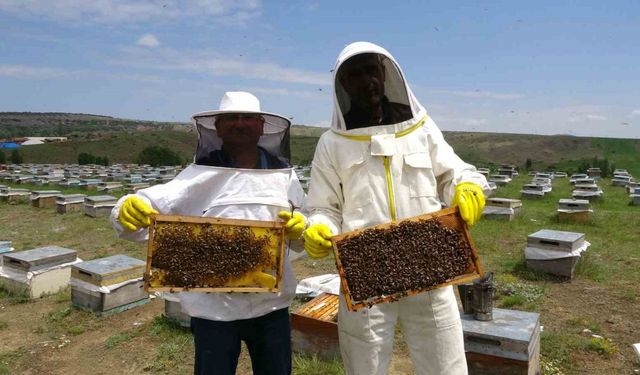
38 271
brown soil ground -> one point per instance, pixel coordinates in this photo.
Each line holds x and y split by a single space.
32 342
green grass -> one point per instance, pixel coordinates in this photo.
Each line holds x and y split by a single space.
3 325
13 297
612 232
119 338
305 365
578 324
176 343
63 296
9 358
611 263
603 346
62 189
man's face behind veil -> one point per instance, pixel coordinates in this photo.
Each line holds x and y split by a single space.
240 129
362 77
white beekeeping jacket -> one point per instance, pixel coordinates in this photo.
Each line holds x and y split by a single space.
382 173
234 193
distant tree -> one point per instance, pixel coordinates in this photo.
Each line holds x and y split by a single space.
16 158
583 166
102 160
529 163
3 158
157 156
86 158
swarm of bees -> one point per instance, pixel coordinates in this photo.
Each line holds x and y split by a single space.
412 255
210 256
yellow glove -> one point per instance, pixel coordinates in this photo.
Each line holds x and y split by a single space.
470 199
295 224
317 240
134 213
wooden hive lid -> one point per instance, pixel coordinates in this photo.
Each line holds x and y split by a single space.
511 334
38 258
108 271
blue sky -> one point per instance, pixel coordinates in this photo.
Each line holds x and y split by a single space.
543 67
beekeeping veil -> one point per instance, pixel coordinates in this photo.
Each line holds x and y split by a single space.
396 88
275 137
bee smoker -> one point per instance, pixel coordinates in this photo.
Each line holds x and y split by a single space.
483 291
466 297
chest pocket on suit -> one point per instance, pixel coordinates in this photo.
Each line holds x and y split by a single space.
355 182
418 175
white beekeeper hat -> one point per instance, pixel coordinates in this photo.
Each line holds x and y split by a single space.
241 102
275 132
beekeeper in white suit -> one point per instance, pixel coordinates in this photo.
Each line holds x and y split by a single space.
241 171
384 160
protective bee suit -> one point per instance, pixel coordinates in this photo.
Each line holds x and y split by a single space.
234 193
378 174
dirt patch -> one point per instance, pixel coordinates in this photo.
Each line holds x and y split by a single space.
616 318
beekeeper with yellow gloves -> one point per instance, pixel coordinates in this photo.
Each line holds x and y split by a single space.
385 160
241 171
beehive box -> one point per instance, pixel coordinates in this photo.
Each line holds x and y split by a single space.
15 195
134 187
532 191
555 240
70 203
44 198
508 344
108 187
504 202
5 247
173 310
206 254
38 271
502 208
574 210
389 261
108 272
314 327
99 205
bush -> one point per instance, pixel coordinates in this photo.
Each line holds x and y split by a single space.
16 158
86 158
3 158
157 156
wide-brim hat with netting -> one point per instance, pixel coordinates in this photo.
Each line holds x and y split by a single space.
275 138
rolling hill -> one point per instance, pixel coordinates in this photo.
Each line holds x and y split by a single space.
121 140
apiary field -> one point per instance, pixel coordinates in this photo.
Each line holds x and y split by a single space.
48 336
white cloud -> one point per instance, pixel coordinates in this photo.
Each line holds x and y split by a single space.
44 73
478 94
30 72
585 117
460 123
148 40
119 11
284 92
210 62
635 113
596 117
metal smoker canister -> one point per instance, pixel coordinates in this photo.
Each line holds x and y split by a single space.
483 298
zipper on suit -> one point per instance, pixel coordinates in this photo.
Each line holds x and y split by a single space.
392 200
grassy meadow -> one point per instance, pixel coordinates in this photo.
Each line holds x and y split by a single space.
47 335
